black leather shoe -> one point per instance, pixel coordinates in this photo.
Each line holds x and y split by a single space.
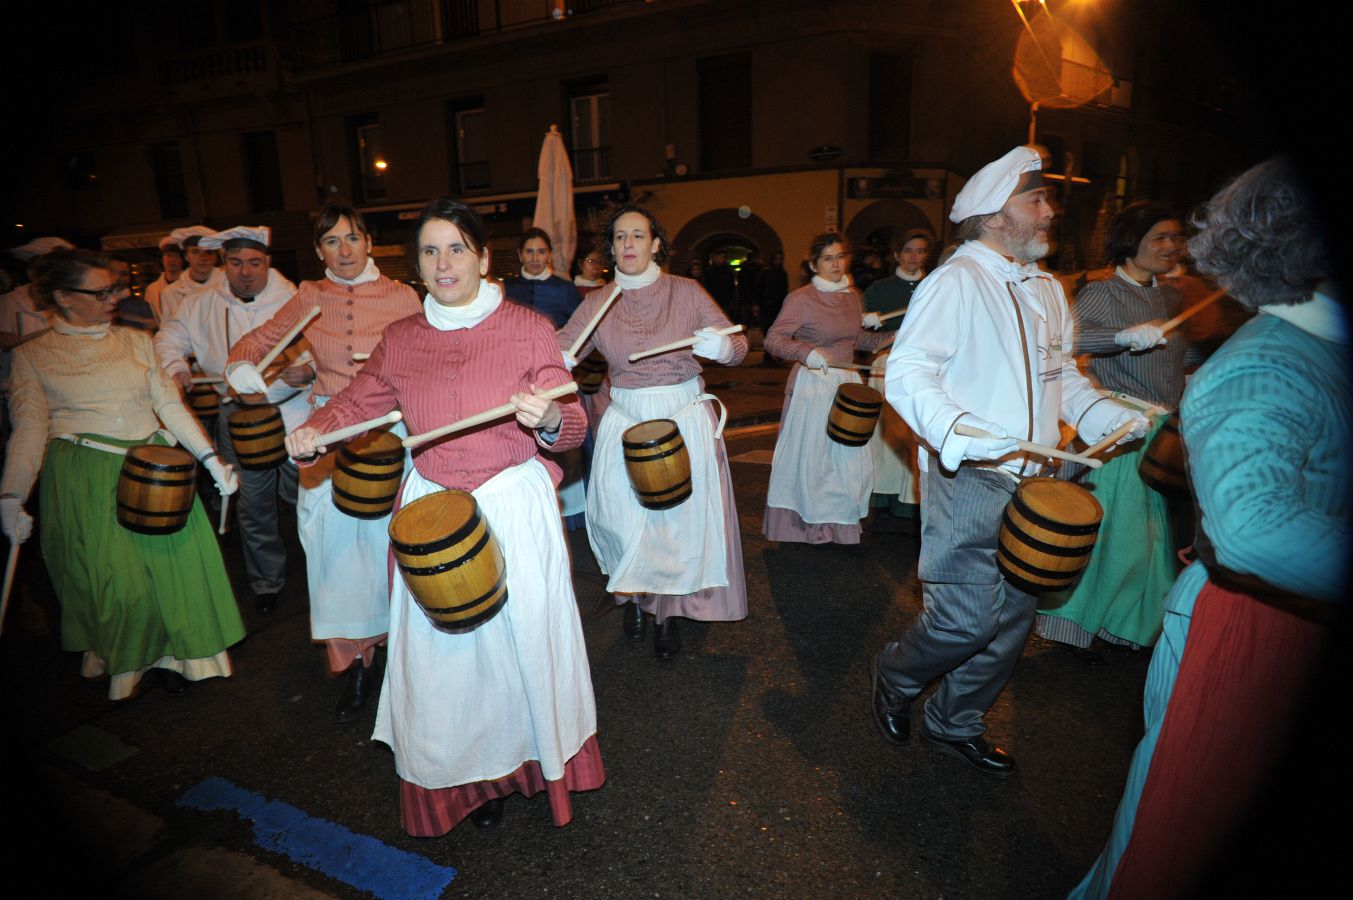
361 684
976 752
266 601
666 639
489 814
893 719
632 622
173 684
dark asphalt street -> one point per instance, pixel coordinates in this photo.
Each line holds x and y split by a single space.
747 766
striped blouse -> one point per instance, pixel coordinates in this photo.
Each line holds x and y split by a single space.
1104 308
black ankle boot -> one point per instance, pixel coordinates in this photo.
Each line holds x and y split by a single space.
632 621
361 684
488 814
666 639
173 684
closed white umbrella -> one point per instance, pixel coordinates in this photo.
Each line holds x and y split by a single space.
554 201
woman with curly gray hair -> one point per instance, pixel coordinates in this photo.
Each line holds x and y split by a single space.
1267 424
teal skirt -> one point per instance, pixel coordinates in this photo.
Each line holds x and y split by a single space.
1132 568
130 598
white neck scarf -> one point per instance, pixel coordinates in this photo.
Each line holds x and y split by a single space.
580 281
369 273
544 275
642 280
95 332
1122 273
920 273
831 287
451 318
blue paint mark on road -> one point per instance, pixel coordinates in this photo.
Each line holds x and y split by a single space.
356 859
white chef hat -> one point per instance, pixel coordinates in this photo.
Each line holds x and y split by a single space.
988 190
40 247
254 237
187 236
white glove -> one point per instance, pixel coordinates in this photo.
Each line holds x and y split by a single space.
871 321
227 482
246 378
1140 337
958 447
816 360
712 345
1140 426
15 522
570 361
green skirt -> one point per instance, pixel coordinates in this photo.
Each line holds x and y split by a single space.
1132 568
130 598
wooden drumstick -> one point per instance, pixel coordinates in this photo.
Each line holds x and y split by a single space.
1029 446
677 345
286 339
206 379
1193 310
10 565
487 415
591 326
342 434
1110 439
360 357
225 513
854 367
893 315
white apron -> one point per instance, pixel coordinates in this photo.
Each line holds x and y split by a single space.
345 557
572 489
460 708
821 480
670 551
893 449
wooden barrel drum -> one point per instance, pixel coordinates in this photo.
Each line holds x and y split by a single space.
1047 533
855 412
1164 465
657 463
367 474
590 373
450 560
204 401
155 490
258 437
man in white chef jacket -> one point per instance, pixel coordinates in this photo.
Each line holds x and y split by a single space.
987 342
206 325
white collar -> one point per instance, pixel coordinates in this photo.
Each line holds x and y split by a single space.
990 256
1122 273
94 332
580 281
831 287
369 273
544 275
642 280
452 318
905 277
1321 316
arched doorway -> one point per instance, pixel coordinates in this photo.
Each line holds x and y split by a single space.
872 232
731 250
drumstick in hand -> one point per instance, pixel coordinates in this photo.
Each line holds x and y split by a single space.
677 345
893 315
206 379
10 565
225 513
487 415
286 339
1111 439
342 434
1029 446
1193 310
591 326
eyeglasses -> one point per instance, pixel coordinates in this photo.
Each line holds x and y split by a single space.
103 294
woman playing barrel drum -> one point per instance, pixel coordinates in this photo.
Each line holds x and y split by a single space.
1121 596
81 396
685 560
345 553
506 707
819 487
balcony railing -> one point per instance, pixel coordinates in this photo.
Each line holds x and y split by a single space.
390 26
233 67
